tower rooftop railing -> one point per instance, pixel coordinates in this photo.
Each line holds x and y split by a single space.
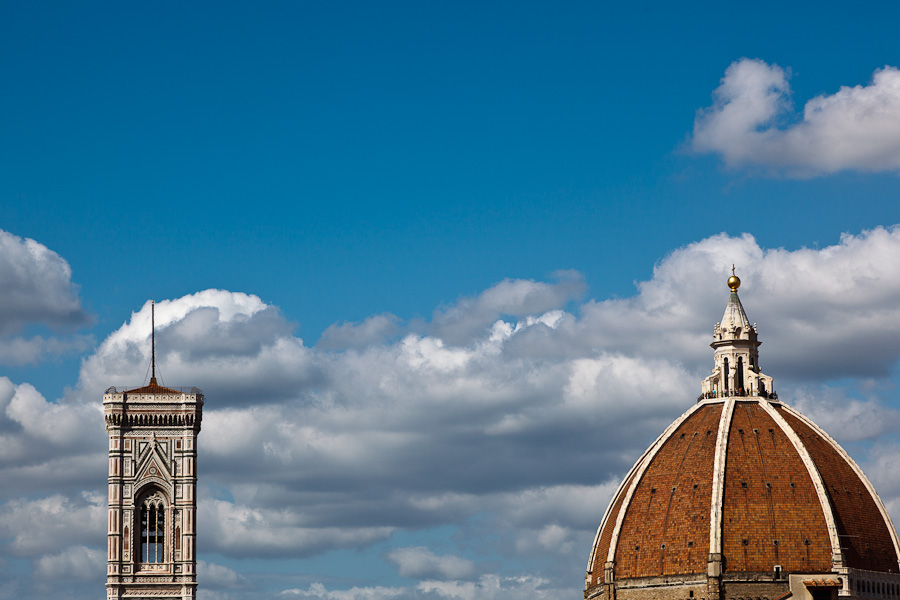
131 388
738 393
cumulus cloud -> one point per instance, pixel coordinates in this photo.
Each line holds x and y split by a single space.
37 287
470 316
838 297
37 291
47 446
318 590
218 577
488 587
52 423
569 506
239 530
75 562
882 466
421 563
39 526
375 329
491 587
751 123
19 351
850 419
514 411
232 344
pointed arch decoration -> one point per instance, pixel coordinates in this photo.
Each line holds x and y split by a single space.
151 539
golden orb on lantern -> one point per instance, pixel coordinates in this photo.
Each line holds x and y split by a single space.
734 282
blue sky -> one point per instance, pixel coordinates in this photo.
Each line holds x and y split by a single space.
488 197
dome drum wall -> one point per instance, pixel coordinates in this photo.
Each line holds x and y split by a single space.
741 497
687 588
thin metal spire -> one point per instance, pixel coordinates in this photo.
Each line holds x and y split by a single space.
152 342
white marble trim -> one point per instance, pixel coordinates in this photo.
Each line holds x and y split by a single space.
718 481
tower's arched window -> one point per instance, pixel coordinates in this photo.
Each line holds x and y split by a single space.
153 525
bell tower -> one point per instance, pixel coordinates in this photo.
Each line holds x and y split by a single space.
151 549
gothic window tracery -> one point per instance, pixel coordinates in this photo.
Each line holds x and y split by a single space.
152 530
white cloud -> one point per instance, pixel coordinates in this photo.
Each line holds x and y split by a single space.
49 422
571 506
375 329
517 423
37 290
847 418
435 430
217 577
232 344
48 446
823 314
37 287
245 531
488 587
495 587
750 123
19 351
317 590
43 525
75 562
419 562
469 317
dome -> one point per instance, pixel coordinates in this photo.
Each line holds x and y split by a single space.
742 496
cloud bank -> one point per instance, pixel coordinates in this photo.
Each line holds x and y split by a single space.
508 418
37 291
751 123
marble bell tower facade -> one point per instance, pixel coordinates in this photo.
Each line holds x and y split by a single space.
151 550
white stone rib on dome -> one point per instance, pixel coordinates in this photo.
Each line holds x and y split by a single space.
718 482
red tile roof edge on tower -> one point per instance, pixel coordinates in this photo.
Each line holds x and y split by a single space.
152 388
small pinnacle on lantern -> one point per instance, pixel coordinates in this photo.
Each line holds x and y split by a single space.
734 282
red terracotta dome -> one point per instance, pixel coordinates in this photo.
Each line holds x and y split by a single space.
742 496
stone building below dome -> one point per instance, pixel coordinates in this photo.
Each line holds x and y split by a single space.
742 497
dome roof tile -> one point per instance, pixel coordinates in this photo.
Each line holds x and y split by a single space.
771 511
867 537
